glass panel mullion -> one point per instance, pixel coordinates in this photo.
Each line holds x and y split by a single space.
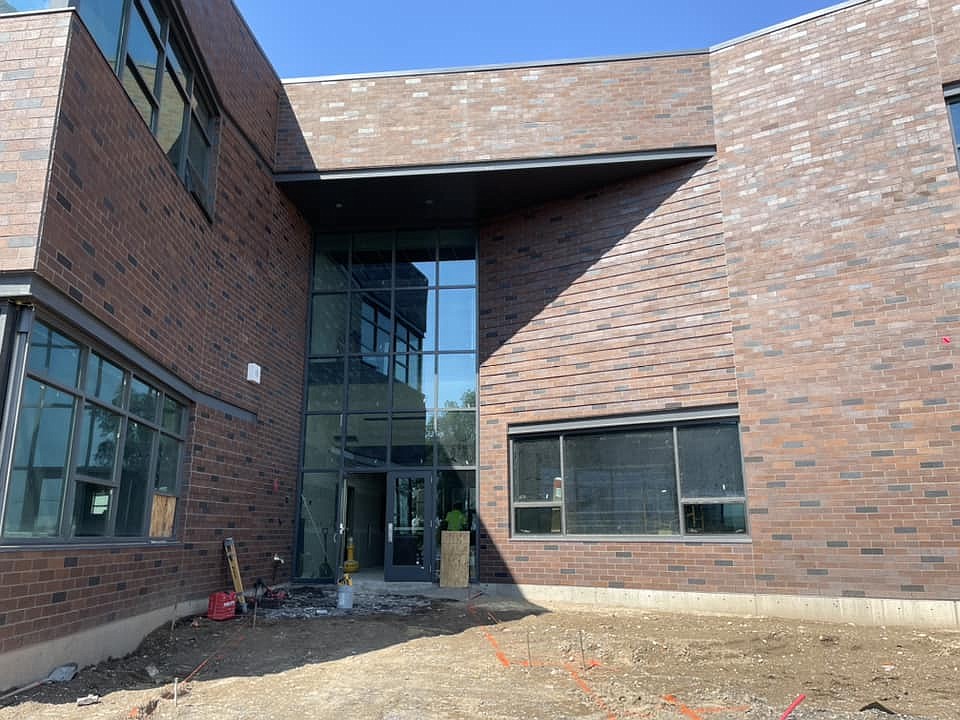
563 489
676 471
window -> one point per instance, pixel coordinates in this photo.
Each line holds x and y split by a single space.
96 451
145 47
953 107
677 479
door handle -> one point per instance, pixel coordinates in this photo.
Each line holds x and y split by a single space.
390 532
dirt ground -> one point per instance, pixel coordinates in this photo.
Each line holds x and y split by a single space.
403 658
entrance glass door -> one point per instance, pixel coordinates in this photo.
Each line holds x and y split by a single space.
411 517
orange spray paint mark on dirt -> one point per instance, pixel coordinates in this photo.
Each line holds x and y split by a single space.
687 712
582 684
504 660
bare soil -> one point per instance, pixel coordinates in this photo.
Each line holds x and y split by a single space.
400 658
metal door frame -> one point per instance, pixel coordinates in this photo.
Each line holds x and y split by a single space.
411 573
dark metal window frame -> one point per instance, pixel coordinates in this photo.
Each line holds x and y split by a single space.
673 420
20 374
951 94
197 180
390 412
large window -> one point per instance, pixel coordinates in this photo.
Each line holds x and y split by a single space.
393 351
147 50
668 479
97 449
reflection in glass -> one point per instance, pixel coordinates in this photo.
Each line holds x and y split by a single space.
714 518
134 479
366 441
168 463
417 315
457 381
172 420
176 66
412 440
321 447
416 259
91 509
413 382
103 19
104 380
318 526
536 469
368 383
372 260
170 120
458 312
98 442
457 437
710 461
328 324
325 385
137 94
408 521
40 452
53 356
144 400
458 253
142 48
330 263
621 483
537 520
370 322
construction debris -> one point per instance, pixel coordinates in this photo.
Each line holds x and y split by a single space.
313 602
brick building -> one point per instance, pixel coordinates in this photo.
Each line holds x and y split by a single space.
676 329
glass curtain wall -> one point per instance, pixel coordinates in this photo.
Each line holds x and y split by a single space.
391 373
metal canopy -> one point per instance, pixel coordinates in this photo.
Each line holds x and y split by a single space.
466 192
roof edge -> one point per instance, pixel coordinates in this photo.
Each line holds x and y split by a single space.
44 11
691 153
787 23
494 67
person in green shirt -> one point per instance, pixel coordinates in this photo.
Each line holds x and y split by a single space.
455 519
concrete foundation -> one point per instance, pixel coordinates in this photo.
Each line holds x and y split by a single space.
115 639
861 611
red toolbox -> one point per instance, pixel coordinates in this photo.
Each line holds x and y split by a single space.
222 606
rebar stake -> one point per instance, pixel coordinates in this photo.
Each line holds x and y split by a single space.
583 658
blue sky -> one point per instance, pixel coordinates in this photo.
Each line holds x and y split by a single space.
321 37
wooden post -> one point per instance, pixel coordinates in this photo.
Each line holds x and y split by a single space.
454 558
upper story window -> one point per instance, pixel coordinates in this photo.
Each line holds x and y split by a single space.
97 449
953 106
653 479
146 48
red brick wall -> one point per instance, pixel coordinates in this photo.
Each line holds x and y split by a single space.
32 49
841 203
124 239
944 17
579 109
606 304
244 78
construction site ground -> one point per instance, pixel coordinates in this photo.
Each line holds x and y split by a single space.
400 658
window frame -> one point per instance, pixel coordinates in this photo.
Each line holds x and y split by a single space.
675 421
190 85
84 398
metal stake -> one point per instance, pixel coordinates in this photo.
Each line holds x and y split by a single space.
583 659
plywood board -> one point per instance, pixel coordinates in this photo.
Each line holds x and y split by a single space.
161 518
454 558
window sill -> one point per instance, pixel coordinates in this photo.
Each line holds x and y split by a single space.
733 539
107 544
